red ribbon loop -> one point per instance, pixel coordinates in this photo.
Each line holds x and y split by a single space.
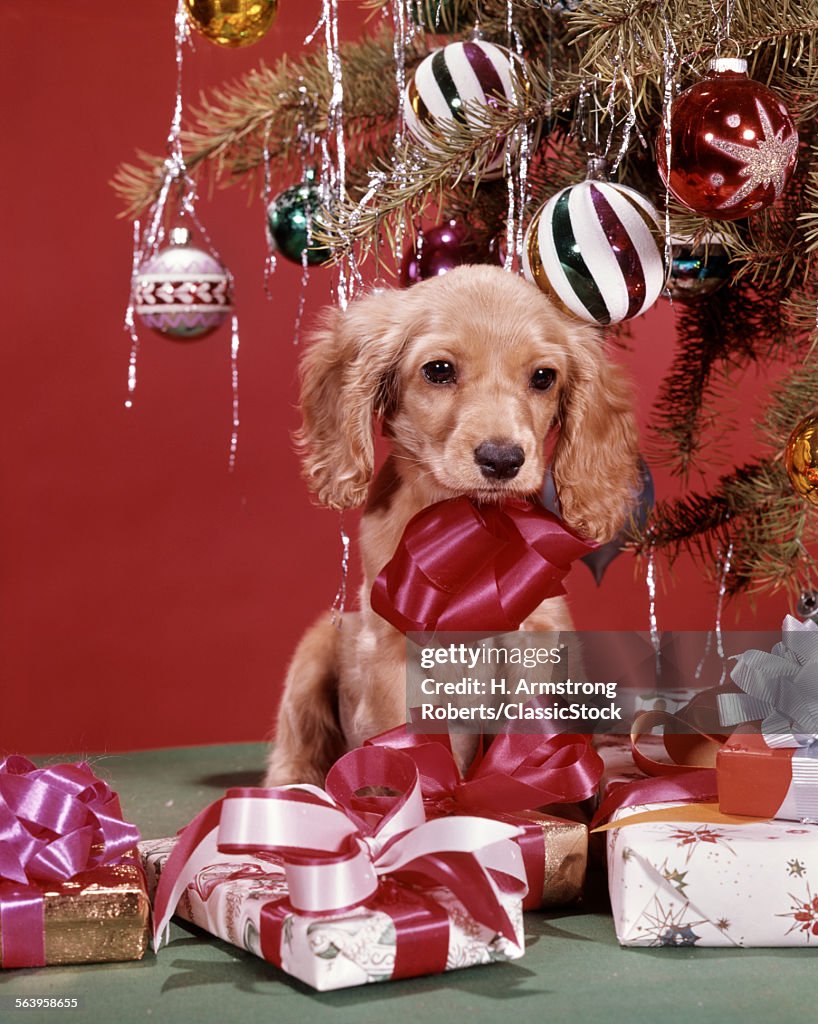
696 786
464 566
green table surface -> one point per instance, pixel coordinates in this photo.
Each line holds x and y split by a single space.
573 969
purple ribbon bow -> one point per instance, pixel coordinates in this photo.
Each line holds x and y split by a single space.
54 823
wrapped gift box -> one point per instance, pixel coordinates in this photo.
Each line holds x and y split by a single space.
72 889
338 890
769 766
707 882
357 947
100 916
686 883
768 782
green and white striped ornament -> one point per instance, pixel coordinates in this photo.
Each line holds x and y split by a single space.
452 77
597 250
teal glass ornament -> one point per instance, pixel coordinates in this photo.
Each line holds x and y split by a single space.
292 220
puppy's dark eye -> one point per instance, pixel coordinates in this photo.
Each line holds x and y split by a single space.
439 371
543 380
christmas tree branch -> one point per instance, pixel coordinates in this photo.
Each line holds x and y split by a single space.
639 36
747 323
601 66
754 508
294 98
716 338
277 110
751 513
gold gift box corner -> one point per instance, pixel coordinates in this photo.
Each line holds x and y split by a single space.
100 917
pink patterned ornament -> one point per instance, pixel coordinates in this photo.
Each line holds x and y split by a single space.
183 292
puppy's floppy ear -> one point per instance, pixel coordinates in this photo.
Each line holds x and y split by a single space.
595 462
347 377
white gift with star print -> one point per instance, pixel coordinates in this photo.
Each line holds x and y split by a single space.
707 882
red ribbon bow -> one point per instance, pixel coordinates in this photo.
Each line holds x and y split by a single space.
54 823
516 773
334 856
463 566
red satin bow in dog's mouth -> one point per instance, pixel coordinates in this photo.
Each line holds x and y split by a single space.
462 566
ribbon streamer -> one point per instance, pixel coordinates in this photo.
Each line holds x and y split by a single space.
464 566
147 241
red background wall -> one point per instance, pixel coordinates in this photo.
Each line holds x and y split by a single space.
148 597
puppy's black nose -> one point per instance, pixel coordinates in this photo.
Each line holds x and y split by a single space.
499 461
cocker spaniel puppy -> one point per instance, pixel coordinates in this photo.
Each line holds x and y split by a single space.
478 380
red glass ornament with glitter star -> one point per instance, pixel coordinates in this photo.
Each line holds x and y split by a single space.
733 144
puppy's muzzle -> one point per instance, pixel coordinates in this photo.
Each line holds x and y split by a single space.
499 461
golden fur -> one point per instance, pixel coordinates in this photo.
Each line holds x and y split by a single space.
366 363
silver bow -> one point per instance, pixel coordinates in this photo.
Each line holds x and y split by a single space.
781 689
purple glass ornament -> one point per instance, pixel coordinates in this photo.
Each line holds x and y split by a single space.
182 292
442 248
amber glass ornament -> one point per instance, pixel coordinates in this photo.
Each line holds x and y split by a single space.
232 22
801 458
733 144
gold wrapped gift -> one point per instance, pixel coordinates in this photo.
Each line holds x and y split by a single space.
566 857
99 916
555 854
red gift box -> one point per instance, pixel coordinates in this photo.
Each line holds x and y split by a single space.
763 781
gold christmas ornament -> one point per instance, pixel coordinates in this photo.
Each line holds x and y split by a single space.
801 458
232 22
